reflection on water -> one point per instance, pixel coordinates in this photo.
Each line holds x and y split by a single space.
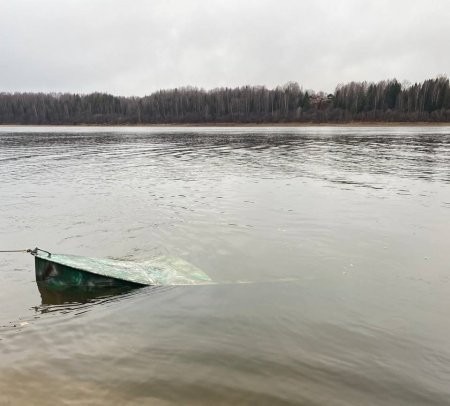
343 231
78 295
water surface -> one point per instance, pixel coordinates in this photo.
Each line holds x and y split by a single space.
328 247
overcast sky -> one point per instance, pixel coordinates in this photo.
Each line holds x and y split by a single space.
134 47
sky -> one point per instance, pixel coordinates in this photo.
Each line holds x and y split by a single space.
135 47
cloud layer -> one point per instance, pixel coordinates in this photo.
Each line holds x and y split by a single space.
136 47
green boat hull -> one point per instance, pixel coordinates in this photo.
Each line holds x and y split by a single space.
59 277
60 272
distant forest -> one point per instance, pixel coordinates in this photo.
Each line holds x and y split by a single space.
385 101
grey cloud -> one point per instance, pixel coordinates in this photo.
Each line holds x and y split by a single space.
136 47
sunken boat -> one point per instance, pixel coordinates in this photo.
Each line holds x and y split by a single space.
61 272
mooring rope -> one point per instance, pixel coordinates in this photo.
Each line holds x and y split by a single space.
32 252
27 250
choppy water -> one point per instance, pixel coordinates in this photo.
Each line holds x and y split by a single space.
342 236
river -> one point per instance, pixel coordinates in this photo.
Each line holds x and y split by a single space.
329 249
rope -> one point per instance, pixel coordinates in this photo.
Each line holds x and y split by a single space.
28 250
32 252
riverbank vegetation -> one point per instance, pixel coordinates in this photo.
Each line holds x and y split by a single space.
384 101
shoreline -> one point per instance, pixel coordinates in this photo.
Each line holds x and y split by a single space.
250 125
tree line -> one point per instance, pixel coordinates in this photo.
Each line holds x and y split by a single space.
384 101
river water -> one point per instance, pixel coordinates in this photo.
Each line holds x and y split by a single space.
329 248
